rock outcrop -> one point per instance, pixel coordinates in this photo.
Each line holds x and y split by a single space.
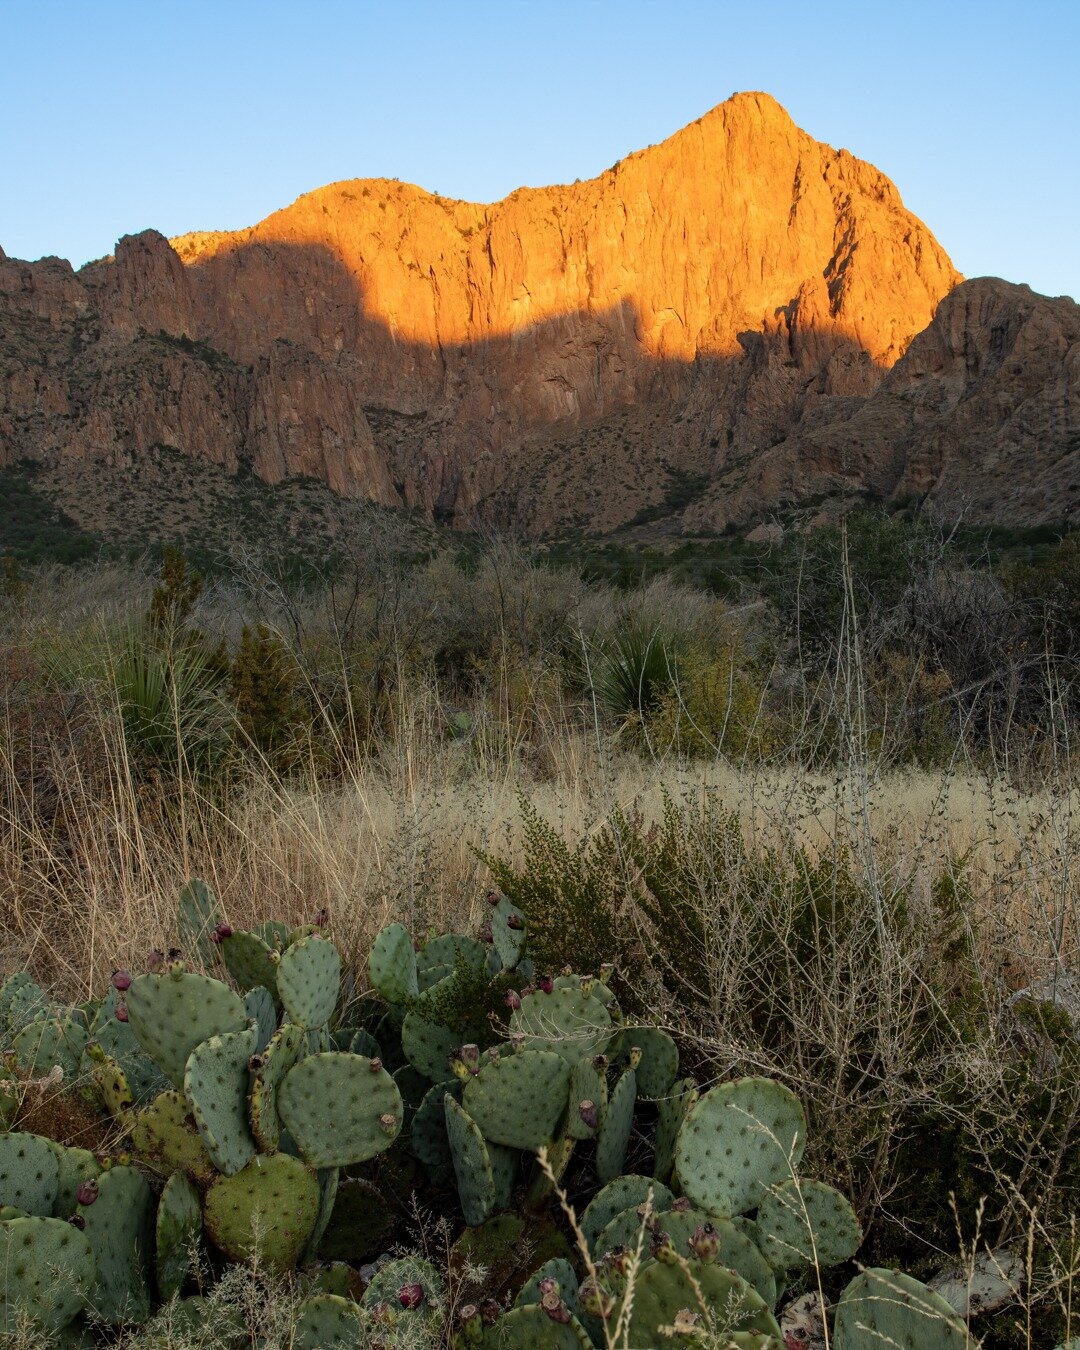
733 319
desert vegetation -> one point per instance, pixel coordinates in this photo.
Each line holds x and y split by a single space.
813 815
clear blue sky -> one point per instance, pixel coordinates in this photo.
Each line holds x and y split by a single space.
210 114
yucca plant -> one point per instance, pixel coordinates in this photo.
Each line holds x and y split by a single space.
632 671
169 708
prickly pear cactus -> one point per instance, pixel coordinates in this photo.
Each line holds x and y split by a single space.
340 1108
664 1296
215 1085
520 1099
392 965
177 1230
166 1138
618 1122
625 1192
738 1140
249 961
886 1307
308 981
807 1223
171 1014
50 1042
410 1286
508 933
269 1208
328 1319
658 1066
428 1046
197 916
567 1020
554 1327
671 1111
588 1097
259 1006
472 1163
48 1272
73 1166
268 1073
29 1173
117 1218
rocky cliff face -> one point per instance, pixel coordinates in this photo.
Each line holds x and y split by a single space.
721 322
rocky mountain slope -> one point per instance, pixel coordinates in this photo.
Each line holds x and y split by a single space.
736 321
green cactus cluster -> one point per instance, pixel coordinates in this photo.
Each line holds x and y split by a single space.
265 1108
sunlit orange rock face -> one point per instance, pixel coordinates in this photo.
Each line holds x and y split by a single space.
563 357
561 305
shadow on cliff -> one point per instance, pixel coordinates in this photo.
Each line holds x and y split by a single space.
469 429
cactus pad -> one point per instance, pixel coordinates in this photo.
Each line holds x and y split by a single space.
119 1226
441 956
392 965
671 1110
886 1307
428 1131
662 1291
329 1180
197 915
520 1099
561 1271
249 961
614 1135
529 1327
328 1319
269 1208
48 1271
171 1014
341 1109
626 1192
216 1085
658 1067
259 1006
427 1047
509 942
568 1021
472 1164
50 1042
388 1279
73 1165
111 1084
28 1173
179 1224
145 1080
308 981
279 1056
360 1223
809 1224
166 1138
587 1084
736 1141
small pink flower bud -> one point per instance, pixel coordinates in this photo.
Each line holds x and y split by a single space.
376 1064
86 1192
121 981
411 1295
221 932
121 1012
547 984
